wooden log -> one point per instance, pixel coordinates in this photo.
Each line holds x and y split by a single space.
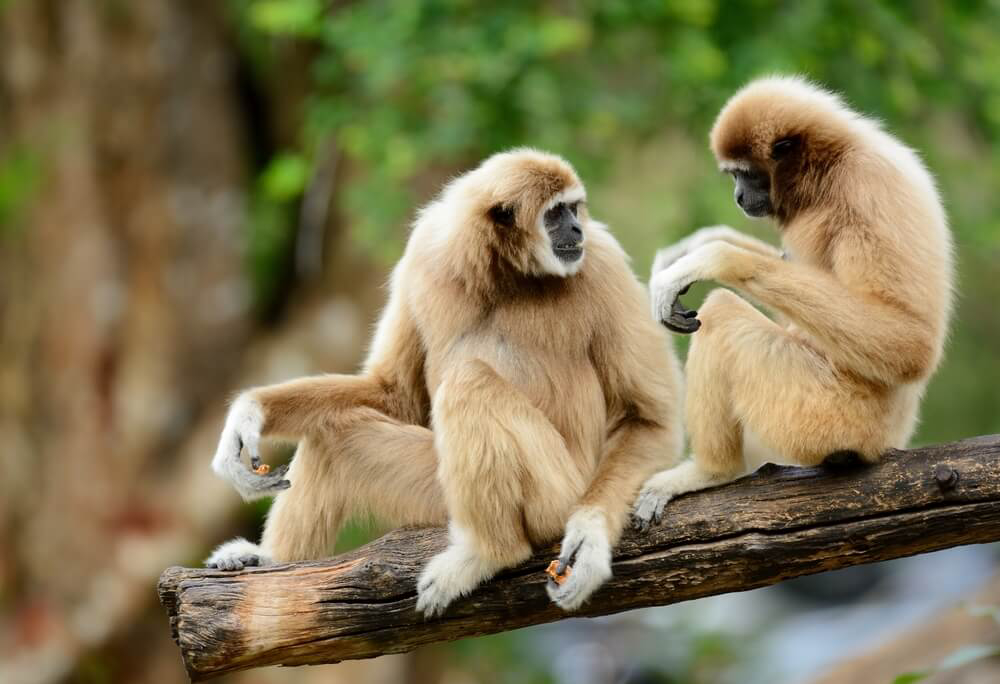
776 524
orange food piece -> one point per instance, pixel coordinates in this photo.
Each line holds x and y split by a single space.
262 469
556 577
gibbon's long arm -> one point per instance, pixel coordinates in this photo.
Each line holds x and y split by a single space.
630 457
668 255
856 331
632 370
392 384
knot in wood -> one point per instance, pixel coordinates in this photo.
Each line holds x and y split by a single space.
946 477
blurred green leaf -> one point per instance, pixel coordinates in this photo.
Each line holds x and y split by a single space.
20 174
292 17
285 177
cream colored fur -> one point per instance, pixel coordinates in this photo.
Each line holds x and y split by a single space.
866 290
512 394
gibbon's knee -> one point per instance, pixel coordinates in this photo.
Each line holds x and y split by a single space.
706 354
719 306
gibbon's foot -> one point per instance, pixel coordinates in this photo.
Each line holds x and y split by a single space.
242 429
236 555
648 509
453 573
666 484
586 551
843 460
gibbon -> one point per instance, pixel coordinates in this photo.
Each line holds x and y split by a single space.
516 388
863 290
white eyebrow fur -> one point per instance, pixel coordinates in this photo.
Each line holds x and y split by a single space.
568 196
728 165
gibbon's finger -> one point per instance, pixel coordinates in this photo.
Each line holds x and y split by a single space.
568 555
682 325
252 444
681 320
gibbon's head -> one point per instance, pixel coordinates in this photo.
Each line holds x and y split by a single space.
528 210
781 139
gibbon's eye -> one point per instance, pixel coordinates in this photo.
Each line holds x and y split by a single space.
575 207
781 148
502 215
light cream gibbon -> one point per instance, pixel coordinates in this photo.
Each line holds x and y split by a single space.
863 287
516 388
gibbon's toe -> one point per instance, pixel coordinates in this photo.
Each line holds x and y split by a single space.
236 554
648 509
436 589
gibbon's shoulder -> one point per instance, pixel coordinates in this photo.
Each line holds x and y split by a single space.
602 243
603 252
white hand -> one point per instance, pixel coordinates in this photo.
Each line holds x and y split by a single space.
667 285
242 429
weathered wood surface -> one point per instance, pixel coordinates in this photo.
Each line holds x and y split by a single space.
774 525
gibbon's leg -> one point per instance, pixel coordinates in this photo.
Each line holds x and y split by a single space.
744 370
498 455
358 461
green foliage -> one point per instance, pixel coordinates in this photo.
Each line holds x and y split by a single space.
285 177
270 239
412 92
20 174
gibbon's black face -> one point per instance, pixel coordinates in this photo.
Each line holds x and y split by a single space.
753 191
565 231
754 185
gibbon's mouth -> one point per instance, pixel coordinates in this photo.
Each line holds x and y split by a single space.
758 209
568 253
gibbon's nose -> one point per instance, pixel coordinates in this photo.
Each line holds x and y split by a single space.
739 197
577 233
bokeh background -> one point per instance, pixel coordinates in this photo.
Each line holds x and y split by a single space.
200 196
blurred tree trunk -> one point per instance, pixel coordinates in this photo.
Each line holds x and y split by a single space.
125 315
123 286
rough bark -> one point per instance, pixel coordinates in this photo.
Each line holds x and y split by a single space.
776 524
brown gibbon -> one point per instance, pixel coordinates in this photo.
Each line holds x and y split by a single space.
516 388
862 293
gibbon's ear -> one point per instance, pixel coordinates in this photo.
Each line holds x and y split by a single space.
785 146
502 215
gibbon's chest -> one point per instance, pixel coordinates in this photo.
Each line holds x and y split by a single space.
540 345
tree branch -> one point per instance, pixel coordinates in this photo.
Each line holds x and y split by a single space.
776 524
